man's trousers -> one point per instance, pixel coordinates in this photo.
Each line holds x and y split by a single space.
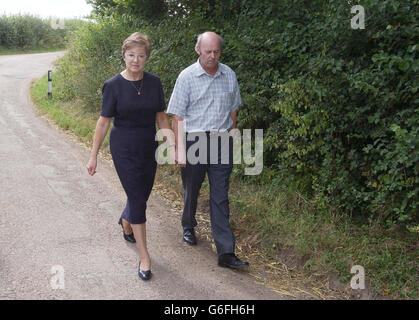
218 163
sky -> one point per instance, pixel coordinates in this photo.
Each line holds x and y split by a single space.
46 8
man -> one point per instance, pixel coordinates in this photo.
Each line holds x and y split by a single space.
204 104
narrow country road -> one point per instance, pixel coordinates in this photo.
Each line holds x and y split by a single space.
59 237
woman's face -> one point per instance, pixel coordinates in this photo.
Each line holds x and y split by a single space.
135 59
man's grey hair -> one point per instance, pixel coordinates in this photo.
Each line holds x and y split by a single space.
198 41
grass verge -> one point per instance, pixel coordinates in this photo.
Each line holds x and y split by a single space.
68 115
294 247
10 51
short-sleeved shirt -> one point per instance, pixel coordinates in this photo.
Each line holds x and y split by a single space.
203 101
120 100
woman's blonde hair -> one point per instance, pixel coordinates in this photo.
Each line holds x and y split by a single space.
137 39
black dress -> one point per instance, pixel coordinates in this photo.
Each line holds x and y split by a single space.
132 139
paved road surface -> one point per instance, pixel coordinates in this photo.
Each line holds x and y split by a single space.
52 213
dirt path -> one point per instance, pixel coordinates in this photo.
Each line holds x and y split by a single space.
58 225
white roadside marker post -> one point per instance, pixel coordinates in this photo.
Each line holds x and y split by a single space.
49 84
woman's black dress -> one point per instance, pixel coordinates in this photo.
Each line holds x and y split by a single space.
132 139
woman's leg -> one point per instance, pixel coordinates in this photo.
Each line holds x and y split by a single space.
126 226
140 229
141 238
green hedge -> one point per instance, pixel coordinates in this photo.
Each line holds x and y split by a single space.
347 114
30 32
339 106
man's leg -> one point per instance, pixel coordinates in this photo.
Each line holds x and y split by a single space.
219 178
192 178
220 214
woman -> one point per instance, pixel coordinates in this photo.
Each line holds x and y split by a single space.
134 98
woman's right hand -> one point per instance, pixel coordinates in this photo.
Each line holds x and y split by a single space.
91 165
102 127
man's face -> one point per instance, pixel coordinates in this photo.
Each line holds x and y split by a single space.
209 52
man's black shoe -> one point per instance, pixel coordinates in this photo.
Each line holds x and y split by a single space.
230 260
189 236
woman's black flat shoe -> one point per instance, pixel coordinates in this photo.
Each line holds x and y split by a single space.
144 275
127 237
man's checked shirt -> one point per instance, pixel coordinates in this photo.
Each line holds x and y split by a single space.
205 102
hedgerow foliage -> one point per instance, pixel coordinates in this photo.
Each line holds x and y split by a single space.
30 32
339 107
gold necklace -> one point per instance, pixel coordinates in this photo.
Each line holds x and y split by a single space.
138 89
